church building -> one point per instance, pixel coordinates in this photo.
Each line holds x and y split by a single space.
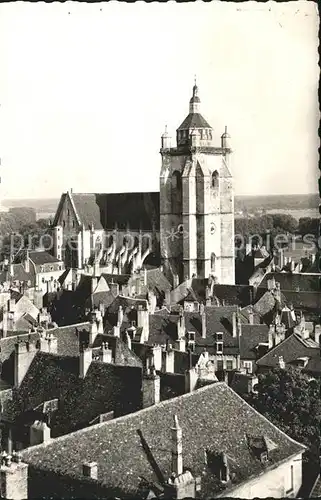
187 227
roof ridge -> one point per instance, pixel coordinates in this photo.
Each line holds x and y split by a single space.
283 342
125 417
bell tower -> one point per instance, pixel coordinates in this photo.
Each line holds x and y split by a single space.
197 201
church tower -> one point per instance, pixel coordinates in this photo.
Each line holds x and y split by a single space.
197 202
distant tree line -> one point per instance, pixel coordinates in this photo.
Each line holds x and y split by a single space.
276 224
21 221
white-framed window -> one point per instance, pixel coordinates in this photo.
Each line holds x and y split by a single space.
229 364
248 366
219 337
219 347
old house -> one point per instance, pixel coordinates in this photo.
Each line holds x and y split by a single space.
233 451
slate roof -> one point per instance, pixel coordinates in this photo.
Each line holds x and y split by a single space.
292 348
213 416
194 120
295 282
104 211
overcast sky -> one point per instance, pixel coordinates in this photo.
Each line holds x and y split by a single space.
86 90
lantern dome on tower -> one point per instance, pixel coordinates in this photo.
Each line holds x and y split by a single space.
195 97
194 122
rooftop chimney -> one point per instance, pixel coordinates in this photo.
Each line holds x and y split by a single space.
143 322
48 342
281 362
116 331
106 355
203 319
24 354
181 325
39 433
14 478
85 359
120 316
177 448
150 388
90 469
128 340
168 361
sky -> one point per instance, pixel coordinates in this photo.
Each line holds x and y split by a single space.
87 89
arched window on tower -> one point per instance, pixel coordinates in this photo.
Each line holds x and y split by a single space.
176 192
215 180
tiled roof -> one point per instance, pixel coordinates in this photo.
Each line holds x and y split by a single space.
163 328
90 209
251 336
295 282
7 344
19 274
306 301
292 348
127 303
68 338
194 120
39 258
227 294
214 416
121 279
104 211
106 387
157 282
245 315
98 298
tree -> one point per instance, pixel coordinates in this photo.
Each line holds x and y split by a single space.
291 401
308 225
23 215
